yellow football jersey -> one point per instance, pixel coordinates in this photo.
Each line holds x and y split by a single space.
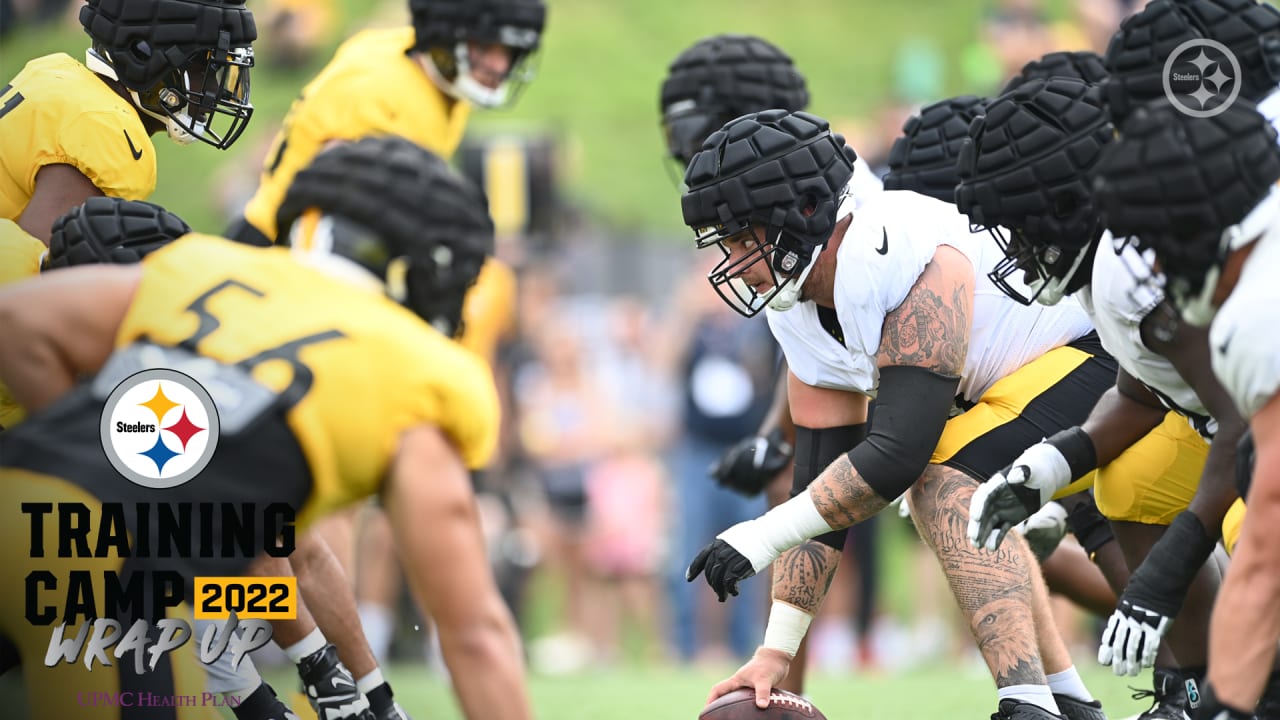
56 111
489 310
371 87
20 255
376 369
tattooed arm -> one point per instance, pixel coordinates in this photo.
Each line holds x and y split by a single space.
922 351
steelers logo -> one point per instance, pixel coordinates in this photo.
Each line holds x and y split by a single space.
159 428
1202 78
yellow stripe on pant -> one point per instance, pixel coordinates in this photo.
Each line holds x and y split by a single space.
1006 401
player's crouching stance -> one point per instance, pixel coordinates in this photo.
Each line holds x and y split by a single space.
1201 193
386 240
883 299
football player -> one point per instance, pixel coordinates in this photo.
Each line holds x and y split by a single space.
418 82
1201 193
923 160
107 230
1161 484
175 66
76 130
373 226
886 300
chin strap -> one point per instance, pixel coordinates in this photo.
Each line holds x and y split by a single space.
102 66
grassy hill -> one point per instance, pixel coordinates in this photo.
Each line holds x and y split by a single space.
597 87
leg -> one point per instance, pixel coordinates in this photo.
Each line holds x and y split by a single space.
994 592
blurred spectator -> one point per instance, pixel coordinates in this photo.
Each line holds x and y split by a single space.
563 428
296 31
726 366
17 13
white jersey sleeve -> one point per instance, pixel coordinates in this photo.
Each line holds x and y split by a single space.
1122 298
1269 107
1243 340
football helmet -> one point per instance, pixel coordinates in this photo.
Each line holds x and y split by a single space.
112 231
781 172
397 211
1024 169
185 63
1139 51
720 78
1081 64
445 30
923 158
1192 190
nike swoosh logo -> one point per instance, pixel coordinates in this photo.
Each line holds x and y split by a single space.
137 154
340 682
1225 344
884 244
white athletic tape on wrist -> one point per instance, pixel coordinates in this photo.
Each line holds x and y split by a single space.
786 628
762 540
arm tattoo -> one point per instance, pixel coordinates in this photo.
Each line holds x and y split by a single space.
842 497
928 330
803 575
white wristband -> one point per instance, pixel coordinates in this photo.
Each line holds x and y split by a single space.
762 540
786 628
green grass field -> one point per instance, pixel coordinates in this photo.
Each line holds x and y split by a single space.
673 693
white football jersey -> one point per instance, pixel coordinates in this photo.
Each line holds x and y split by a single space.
892 238
1244 341
864 184
1118 299
1269 107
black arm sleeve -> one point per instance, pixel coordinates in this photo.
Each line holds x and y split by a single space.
815 450
912 407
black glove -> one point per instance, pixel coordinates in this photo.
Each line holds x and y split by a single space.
724 566
752 463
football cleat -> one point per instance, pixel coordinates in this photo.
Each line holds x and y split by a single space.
1011 709
1073 709
330 688
1169 698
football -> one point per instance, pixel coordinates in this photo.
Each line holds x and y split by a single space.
741 705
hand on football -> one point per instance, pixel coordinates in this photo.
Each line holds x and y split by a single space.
763 672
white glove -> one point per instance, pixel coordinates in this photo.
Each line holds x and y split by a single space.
1132 638
1014 494
1045 530
904 510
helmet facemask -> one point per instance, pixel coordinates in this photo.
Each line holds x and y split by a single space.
788 269
1049 271
451 68
206 98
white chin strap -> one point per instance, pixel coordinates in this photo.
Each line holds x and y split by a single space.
464 86
1263 218
1056 288
788 293
172 123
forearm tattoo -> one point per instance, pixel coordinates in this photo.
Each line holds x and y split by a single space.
927 330
803 575
993 590
842 497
